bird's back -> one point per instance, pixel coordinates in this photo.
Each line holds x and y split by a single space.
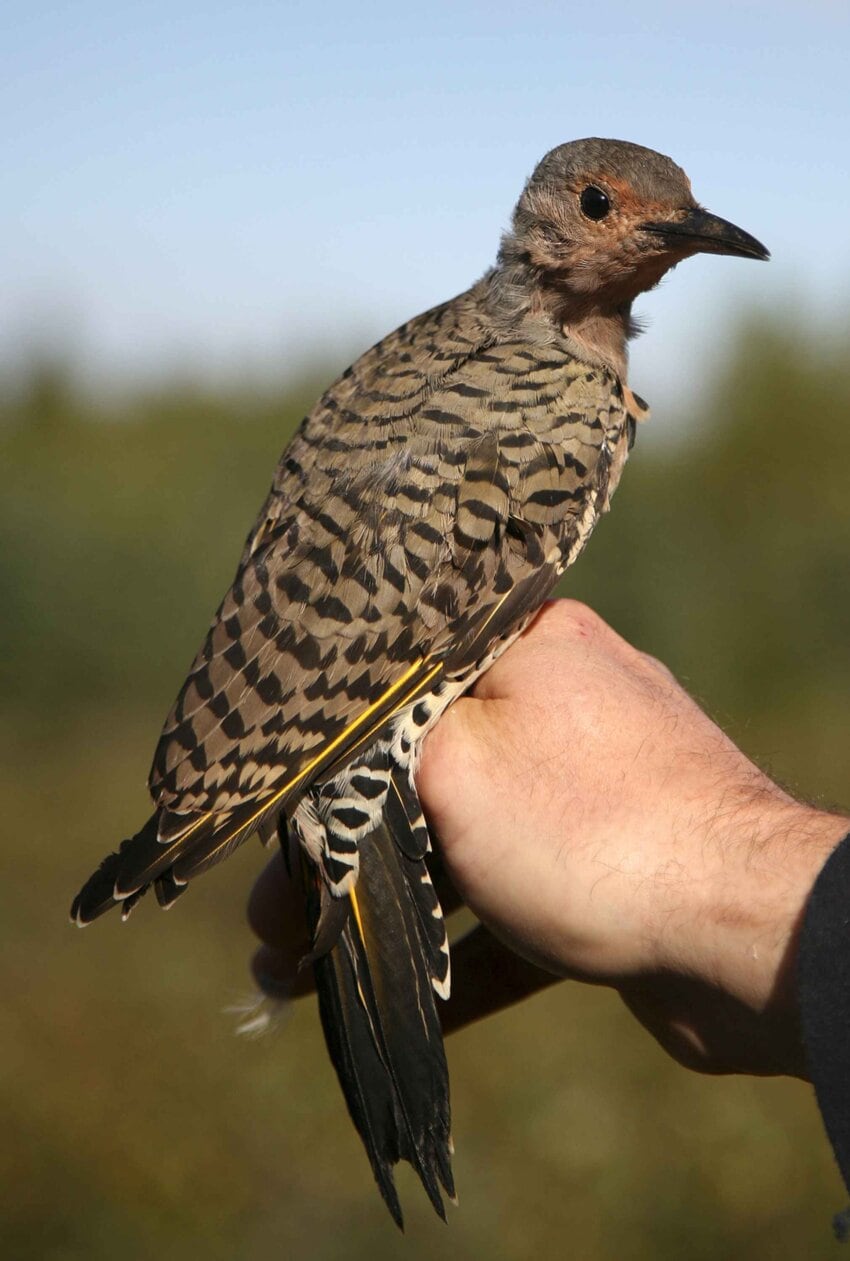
380 540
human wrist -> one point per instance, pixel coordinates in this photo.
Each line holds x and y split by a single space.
746 925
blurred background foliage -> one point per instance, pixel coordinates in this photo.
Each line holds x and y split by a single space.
135 1123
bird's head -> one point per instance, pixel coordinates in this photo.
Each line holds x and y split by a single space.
601 221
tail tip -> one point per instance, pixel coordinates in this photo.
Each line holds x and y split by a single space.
76 916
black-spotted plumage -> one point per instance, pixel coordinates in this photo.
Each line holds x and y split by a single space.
416 523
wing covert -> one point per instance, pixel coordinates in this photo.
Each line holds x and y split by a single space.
382 544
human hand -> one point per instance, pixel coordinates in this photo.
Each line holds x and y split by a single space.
608 831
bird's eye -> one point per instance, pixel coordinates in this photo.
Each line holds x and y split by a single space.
594 203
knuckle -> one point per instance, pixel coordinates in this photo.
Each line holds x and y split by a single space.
659 667
572 617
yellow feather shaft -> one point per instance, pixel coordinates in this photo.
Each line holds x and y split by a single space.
355 906
359 721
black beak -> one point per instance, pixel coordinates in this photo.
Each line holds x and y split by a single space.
700 232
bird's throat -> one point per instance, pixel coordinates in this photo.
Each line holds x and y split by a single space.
602 335
599 329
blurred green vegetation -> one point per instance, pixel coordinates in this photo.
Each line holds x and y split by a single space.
133 1121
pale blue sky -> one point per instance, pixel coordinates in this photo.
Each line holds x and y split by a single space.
202 186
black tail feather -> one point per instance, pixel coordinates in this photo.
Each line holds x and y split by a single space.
406 823
381 1025
380 955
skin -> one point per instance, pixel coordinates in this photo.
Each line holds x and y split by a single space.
609 832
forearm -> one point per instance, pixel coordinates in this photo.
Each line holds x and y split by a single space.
726 996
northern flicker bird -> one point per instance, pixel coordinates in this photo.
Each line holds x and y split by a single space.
416 523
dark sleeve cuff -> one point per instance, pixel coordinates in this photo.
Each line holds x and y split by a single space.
823 986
